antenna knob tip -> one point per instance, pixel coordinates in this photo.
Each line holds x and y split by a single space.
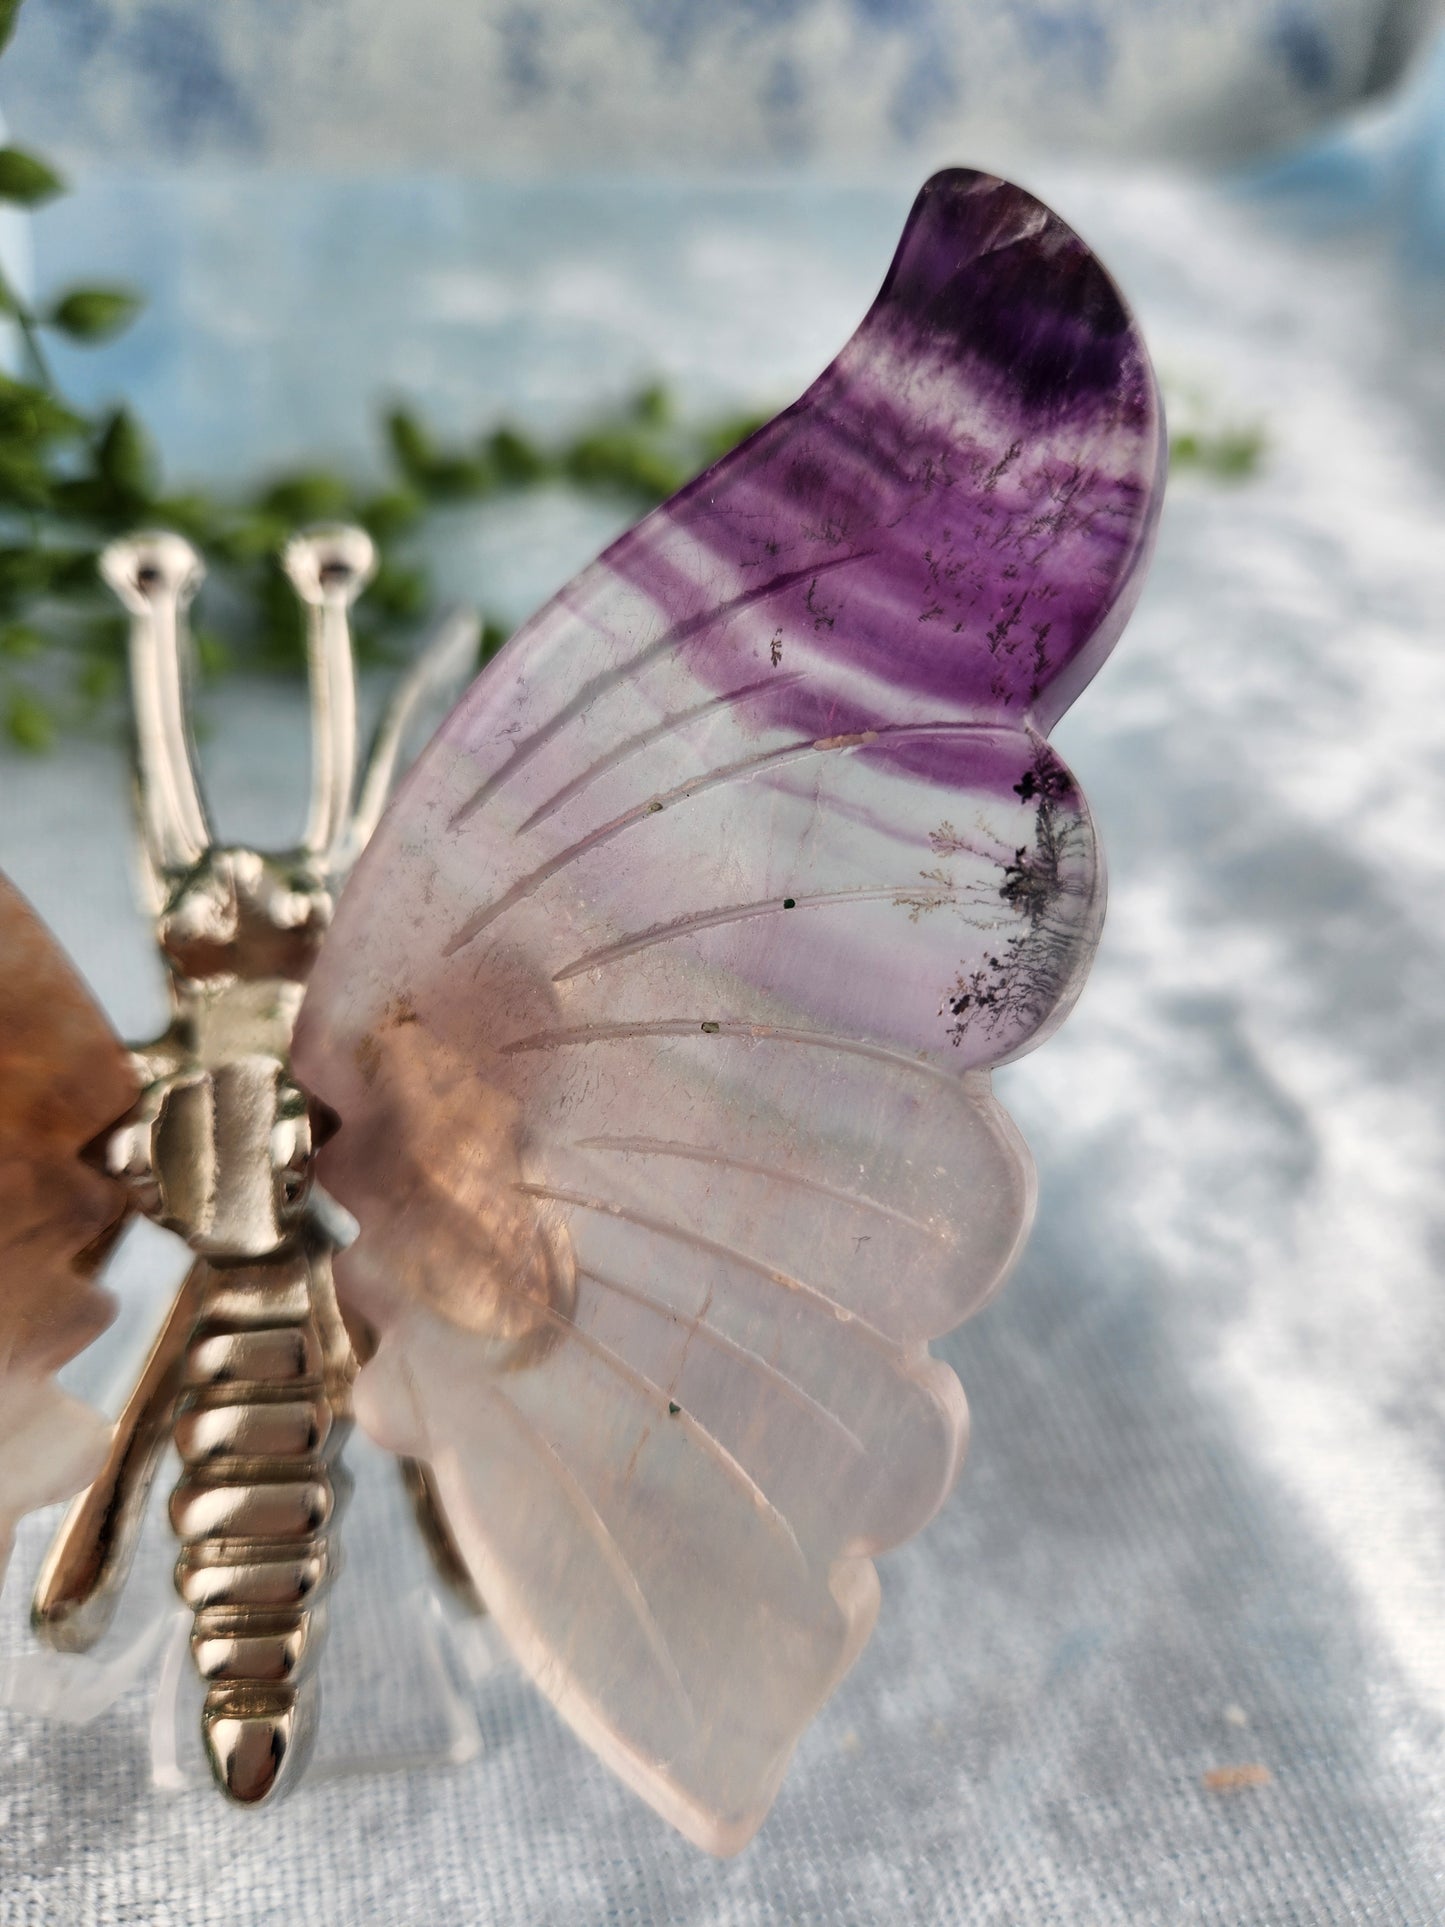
329 564
149 567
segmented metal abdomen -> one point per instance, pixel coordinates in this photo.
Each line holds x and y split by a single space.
264 1407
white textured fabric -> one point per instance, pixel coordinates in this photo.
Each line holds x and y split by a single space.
573 84
1203 1520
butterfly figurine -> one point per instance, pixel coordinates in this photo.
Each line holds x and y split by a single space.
647 1042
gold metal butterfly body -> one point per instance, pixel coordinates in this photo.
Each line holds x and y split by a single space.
655 1030
251 1373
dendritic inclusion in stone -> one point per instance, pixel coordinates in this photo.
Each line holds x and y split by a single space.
659 1020
660 1013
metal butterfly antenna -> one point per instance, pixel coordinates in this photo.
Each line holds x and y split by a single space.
251 1373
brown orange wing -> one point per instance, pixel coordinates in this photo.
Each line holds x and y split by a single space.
64 1075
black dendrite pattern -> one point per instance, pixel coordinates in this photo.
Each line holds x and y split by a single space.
1016 986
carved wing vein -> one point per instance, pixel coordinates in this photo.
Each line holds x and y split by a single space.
776 1174
645 739
746 766
602 1536
665 1228
740 913
719 1341
689 1425
564 1038
628 671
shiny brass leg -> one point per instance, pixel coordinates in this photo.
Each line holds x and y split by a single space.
437 1535
426 1501
86 1567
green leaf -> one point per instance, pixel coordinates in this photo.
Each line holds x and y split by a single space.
430 470
94 314
1230 455
96 680
386 516
82 498
458 478
1238 453
652 406
312 496
30 569
125 459
279 636
66 481
28 723
722 437
29 414
23 480
620 460
255 538
410 444
19 642
192 515
26 178
8 11
72 571
211 653
517 460
399 592
106 637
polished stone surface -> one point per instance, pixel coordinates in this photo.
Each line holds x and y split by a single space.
1201 1525
659 1011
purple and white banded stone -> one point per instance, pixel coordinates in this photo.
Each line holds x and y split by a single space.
660 1013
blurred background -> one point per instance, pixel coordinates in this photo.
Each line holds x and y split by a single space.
497 277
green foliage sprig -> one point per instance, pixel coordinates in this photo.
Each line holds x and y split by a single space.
69 480
1202 441
1229 454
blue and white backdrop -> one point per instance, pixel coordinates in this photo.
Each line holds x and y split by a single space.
1204 1519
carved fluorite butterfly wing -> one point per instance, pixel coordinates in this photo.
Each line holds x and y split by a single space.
64 1076
659 1013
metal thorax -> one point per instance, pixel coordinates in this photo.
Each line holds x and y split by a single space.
251 1373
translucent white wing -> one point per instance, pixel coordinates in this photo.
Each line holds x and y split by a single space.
658 1015
63 1077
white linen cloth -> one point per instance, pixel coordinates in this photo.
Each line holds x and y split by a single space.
1203 1521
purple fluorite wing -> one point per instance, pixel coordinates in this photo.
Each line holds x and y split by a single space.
659 1014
